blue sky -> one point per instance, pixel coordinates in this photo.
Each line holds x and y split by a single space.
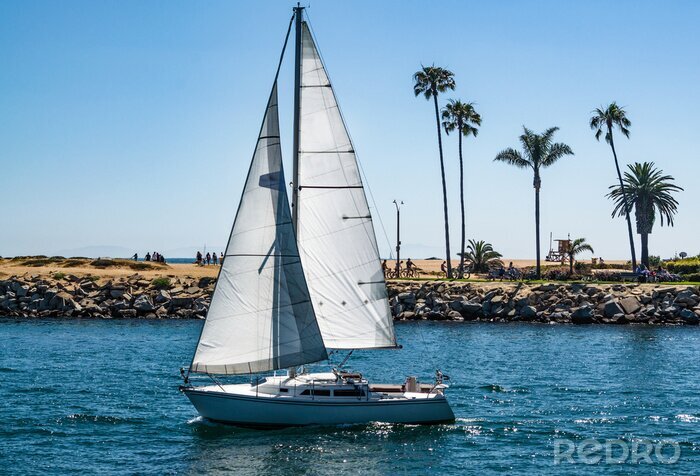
132 123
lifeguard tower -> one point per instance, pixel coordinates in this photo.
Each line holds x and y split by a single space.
561 252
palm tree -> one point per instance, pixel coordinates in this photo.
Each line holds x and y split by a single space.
430 81
577 247
538 151
648 191
464 118
482 256
609 118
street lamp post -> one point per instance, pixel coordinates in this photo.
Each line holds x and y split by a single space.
398 237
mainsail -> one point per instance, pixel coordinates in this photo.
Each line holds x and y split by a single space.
261 317
334 230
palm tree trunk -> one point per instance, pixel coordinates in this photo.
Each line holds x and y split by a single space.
571 264
461 198
537 221
444 188
645 249
624 197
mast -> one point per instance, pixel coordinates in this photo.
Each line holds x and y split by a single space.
298 13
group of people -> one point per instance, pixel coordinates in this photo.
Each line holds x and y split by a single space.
660 274
410 266
209 258
157 257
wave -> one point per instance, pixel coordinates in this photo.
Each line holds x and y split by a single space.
495 388
105 419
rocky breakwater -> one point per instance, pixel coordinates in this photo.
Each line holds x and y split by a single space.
129 297
574 303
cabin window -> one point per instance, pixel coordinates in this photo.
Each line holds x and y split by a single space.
355 392
317 393
284 390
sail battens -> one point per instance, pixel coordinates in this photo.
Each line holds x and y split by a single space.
264 255
261 316
335 233
327 151
330 186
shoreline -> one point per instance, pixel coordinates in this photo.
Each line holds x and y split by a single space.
68 289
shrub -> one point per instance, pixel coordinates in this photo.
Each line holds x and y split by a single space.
692 277
137 266
161 283
58 275
654 261
103 263
684 266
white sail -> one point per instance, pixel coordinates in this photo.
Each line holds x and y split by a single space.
334 230
261 317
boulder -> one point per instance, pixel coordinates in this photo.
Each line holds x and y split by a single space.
630 305
470 309
689 317
582 315
144 304
528 313
162 296
612 308
454 315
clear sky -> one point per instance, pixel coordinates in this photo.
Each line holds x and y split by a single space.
132 123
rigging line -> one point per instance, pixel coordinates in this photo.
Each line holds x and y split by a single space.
262 124
357 159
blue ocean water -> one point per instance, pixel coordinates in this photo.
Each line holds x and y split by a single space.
84 396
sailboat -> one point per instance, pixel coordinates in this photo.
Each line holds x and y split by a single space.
301 278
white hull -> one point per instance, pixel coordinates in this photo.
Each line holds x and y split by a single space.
246 405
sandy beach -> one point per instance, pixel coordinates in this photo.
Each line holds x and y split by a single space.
150 270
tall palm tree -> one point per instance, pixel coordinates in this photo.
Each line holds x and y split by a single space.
609 118
464 118
430 81
538 152
483 256
577 247
648 191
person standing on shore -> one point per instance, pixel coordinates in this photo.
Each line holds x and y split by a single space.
148 257
214 259
199 258
208 259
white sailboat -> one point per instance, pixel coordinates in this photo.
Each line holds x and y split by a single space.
298 280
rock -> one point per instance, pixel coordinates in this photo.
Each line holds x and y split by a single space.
497 299
127 313
630 305
408 298
454 315
686 297
528 313
689 317
406 316
161 312
181 302
612 308
143 304
162 296
116 293
470 310
582 315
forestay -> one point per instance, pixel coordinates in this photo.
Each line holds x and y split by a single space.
261 317
335 231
